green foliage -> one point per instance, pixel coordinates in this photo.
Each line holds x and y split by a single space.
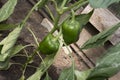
7 9
22 78
47 77
101 3
100 38
83 19
42 3
4 65
16 49
68 74
59 2
8 43
7 49
47 62
108 65
7 26
82 75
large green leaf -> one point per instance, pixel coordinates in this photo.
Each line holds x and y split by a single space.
7 49
42 68
108 65
68 74
7 9
4 65
9 42
100 38
83 19
101 3
7 26
82 75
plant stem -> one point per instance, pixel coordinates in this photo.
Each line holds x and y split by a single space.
55 24
23 23
73 15
70 53
26 64
59 34
50 12
63 3
58 17
55 3
29 58
30 12
76 4
39 3
35 38
80 3
26 52
40 57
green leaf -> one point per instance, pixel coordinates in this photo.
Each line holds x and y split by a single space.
7 9
9 42
42 68
7 26
108 65
100 38
47 77
4 65
68 74
22 77
84 18
101 3
17 49
82 75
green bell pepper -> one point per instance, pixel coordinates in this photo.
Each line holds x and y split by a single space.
49 45
71 30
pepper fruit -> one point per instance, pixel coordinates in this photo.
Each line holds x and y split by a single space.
49 45
71 30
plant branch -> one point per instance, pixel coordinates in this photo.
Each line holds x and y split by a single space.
50 12
80 3
55 24
30 12
40 57
73 15
55 4
63 3
35 38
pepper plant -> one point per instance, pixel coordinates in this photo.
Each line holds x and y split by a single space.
68 33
